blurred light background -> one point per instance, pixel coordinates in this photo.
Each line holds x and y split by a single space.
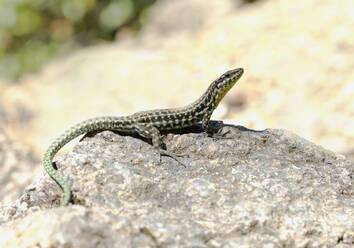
34 31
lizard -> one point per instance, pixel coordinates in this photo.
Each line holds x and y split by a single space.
147 124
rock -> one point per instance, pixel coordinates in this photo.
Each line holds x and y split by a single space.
253 189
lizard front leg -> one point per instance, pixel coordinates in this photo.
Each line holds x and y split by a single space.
211 132
206 123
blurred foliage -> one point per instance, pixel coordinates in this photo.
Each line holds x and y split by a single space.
33 31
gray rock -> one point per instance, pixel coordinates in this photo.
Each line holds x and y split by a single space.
266 188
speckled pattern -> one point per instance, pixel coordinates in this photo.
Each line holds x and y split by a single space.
147 124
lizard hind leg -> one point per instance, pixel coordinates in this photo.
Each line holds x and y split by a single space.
151 132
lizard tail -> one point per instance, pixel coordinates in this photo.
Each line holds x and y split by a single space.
49 155
57 178
94 124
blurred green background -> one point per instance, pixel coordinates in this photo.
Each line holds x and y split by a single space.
33 31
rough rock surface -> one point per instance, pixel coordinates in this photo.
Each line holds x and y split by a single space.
267 188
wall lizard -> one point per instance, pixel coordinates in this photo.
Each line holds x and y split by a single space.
147 124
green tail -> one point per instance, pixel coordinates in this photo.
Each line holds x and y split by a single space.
93 124
49 155
48 166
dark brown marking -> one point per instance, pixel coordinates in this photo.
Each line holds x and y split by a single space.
166 117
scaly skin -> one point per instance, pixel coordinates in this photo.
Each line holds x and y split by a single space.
147 124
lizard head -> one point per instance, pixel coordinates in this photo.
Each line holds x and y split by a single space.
224 83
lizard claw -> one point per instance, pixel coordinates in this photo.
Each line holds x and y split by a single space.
172 155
